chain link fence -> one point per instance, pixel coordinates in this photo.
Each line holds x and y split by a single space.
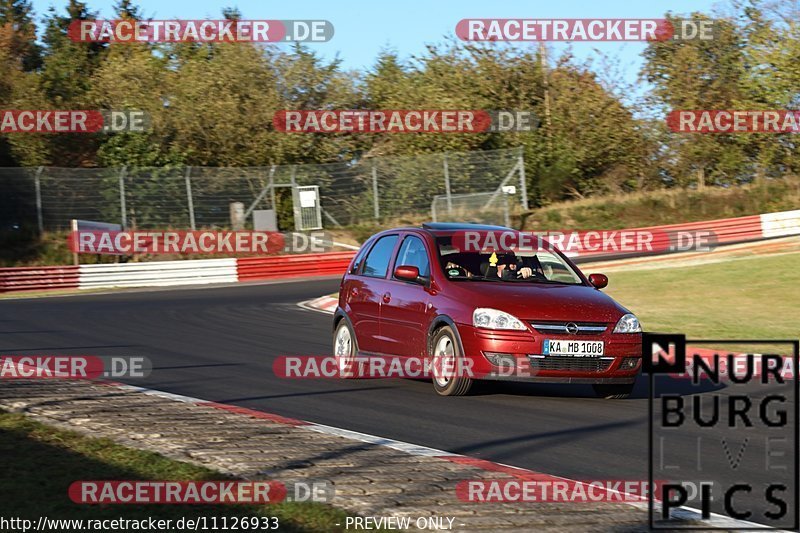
447 186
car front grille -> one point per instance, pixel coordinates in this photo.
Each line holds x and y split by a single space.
560 328
576 364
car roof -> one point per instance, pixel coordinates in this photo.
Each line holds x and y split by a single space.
443 227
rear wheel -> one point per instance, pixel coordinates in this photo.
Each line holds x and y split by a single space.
448 364
613 392
344 349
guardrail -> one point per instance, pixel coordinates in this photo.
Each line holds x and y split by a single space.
38 278
231 270
292 266
665 239
158 273
172 273
781 224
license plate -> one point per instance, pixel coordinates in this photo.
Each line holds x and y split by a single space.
572 348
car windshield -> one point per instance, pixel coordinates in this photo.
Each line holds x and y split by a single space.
533 266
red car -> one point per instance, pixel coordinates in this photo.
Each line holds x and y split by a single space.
533 316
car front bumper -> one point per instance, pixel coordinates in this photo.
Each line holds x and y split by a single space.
525 347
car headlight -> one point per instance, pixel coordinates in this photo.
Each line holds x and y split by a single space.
483 317
628 324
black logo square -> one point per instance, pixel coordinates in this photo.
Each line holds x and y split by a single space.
662 342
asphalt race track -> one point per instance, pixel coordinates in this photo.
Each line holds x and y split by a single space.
219 343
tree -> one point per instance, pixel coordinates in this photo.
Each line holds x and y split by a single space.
19 55
701 75
62 82
18 33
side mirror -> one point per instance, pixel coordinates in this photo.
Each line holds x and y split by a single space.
598 280
407 273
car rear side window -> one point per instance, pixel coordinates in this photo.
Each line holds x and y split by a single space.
377 262
413 253
359 259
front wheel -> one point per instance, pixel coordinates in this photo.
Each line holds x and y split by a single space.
613 392
448 364
344 349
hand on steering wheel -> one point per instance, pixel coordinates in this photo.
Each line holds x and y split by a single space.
525 272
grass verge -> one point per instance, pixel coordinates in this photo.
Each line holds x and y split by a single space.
40 462
753 297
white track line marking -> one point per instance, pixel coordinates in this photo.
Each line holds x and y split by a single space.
160 394
412 449
308 305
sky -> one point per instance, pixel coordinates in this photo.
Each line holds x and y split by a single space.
363 29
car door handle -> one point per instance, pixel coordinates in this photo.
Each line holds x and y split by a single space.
387 298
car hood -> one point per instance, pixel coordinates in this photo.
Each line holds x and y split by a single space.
544 301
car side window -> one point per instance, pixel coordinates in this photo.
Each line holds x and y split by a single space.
413 253
377 262
554 269
359 258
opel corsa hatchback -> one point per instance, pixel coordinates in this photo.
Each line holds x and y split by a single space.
531 316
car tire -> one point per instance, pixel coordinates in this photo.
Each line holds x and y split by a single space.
446 351
344 349
613 392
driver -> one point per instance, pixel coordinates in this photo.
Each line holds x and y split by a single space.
506 265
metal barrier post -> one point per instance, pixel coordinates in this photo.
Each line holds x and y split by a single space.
189 197
38 185
122 208
523 187
377 209
447 185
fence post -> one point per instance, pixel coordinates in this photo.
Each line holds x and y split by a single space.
523 187
260 196
73 240
272 193
377 209
189 196
38 185
122 208
298 222
447 185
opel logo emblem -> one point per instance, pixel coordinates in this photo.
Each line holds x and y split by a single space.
572 328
